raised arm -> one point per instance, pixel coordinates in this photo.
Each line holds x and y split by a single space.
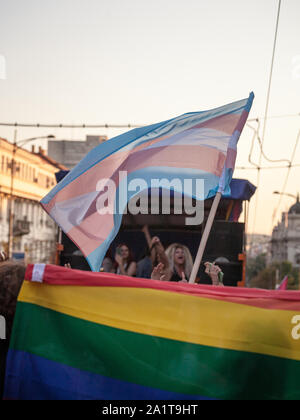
160 251
213 271
145 229
150 243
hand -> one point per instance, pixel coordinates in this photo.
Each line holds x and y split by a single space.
158 272
119 259
213 271
184 280
155 241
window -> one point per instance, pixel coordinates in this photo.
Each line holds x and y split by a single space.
32 212
41 217
17 169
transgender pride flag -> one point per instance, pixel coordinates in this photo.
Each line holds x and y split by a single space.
198 145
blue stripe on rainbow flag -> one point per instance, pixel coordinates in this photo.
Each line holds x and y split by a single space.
45 379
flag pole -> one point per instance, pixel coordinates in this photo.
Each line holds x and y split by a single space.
205 236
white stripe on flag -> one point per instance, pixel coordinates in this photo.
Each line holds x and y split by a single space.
38 273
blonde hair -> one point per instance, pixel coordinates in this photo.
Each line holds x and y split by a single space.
188 260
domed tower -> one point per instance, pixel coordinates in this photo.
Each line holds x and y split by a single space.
286 236
295 209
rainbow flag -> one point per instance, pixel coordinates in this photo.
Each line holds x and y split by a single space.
84 335
198 145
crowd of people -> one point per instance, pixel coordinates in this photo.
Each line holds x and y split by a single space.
172 264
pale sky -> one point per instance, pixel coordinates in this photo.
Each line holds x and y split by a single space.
139 62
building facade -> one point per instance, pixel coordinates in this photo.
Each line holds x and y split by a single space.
258 244
34 233
70 152
286 237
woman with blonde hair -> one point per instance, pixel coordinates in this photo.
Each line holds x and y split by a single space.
179 266
180 262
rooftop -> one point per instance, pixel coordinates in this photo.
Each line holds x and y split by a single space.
295 209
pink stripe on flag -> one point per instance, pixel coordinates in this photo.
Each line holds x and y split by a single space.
225 123
230 159
149 143
94 229
242 121
195 157
92 232
87 182
208 159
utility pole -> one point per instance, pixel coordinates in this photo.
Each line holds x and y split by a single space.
12 201
12 198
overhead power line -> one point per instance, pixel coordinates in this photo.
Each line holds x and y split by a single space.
266 112
270 77
250 168
256 135
255 165
275 116
71 125
287 175
82 126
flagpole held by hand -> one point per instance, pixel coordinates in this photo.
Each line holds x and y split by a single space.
205 236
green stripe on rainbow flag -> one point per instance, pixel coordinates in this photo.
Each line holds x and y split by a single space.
153 361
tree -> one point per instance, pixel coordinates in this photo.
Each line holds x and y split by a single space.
255 266
266 278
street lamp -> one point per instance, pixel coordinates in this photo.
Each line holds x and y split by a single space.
296 197
12 174
289 195
22 142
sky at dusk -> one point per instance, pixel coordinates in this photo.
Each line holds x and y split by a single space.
139 62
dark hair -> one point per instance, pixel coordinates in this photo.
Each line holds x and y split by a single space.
109 253
147 252
130 258
11 278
